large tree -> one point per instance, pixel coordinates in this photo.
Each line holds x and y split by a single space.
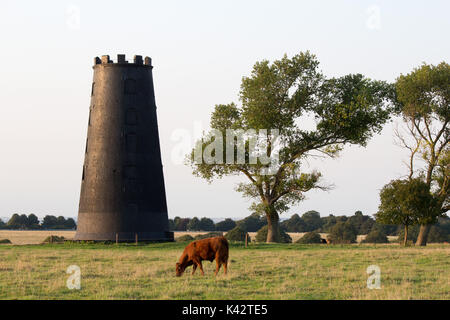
282 95
423 98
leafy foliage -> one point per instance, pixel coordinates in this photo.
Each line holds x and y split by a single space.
342 233
404 202
312 220
423 98
294 224
376 235
237 234
225 225
31 222
346 110
53 239
180 224
207 224
310 237
413 232
261 236
194 224
438 235
252 223
208 235
185 237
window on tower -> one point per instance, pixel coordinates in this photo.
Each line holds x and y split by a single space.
131 142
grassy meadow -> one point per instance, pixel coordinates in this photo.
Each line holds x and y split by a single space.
261 271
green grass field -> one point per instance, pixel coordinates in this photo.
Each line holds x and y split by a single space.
262 271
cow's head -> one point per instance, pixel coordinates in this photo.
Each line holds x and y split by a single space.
179 269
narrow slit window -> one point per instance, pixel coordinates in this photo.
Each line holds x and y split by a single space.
92 89
131 142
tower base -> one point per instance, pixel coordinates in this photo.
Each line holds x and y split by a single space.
166 236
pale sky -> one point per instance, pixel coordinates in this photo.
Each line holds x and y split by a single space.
200 51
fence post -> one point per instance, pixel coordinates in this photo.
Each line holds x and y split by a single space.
246 239
117 238
136 236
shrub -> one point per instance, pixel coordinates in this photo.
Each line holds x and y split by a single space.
54 239
437 235
237 234
342 233
185 237
261 236
5 241
310 237
376 236
208 235
225 225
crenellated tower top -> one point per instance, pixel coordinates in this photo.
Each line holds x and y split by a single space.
137 60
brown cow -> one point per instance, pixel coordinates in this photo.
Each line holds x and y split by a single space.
205 249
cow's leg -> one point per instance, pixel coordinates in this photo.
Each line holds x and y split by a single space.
217 266
194 267
199 264
225 266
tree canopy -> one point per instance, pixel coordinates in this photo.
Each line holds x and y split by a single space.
404 202
423 98
280 97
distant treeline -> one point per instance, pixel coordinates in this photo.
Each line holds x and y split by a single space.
310 221
31 222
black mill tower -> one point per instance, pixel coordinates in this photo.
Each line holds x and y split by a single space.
122 190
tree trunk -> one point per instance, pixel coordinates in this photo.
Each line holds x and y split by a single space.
272 225
423 235
405 239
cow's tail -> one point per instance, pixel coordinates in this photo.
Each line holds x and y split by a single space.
226 248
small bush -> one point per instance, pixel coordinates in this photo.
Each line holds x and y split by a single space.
261 236
185 237
376 236
342 232
208 235
310 237
237 234
437 235
54 239
5 241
